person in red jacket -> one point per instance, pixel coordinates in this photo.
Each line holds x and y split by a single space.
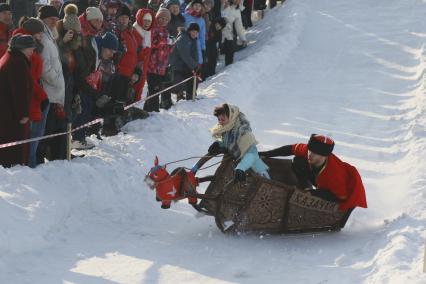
333 179
127 64
145 20
161 47
5 24
39 101
16 85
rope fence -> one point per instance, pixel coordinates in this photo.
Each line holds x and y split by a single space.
97 120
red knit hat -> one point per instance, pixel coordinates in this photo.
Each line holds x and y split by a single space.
320 144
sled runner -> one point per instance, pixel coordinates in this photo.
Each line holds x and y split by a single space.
279 205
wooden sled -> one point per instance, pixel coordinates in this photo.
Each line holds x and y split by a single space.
278 205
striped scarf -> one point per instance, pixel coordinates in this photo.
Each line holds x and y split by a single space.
237 135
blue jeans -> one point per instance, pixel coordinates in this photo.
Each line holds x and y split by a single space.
252 160
37 130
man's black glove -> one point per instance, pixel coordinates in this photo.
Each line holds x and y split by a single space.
216 149
263 154
239 176
44 104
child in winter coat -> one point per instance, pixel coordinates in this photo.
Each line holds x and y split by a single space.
235 137
142 31
161 47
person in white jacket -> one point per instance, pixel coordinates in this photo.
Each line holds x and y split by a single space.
52 81
52 77
232 15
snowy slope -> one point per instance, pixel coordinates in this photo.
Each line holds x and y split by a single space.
354 70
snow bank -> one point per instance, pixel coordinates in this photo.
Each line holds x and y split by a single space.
352 70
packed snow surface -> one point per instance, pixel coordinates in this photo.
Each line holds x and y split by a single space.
354 70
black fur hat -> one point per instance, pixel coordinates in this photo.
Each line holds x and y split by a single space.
320 144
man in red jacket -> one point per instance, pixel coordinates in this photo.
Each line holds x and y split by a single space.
127 63
333 179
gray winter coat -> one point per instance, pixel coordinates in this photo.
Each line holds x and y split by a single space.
52 77
185 55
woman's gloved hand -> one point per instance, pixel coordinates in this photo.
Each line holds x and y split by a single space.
239 176
216 149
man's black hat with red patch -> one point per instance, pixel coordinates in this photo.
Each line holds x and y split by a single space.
320 144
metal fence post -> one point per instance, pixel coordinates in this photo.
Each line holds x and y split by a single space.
424 260
194 87
69 128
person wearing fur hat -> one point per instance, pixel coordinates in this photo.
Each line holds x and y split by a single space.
184 59
161 47
335 180
5 27
194 14
235 137
39 100
177 21
142 32
16 86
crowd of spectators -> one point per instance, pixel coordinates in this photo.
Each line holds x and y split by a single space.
72 61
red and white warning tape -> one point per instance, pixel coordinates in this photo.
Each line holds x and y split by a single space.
10 144
93 122
158 93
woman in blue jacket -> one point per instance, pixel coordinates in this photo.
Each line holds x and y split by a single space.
234 136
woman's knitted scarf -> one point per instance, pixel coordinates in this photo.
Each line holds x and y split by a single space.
236 135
